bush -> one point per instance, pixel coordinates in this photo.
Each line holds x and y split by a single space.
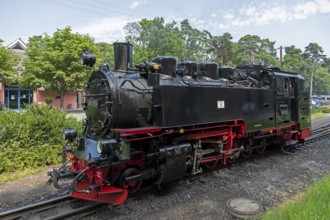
32 138
48 100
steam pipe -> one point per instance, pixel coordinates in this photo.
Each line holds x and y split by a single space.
81 175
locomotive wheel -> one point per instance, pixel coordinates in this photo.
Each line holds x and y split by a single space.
211 165
231 160
262 148
130 186
246 153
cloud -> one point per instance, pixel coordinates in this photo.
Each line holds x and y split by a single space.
136 4
108 29
254 14
324 6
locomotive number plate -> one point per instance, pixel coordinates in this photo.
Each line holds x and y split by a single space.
221 104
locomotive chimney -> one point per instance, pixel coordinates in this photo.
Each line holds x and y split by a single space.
123 56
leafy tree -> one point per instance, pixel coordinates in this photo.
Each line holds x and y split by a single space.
221 48
321 82
293 60
326 64
195 40
251 49
106 53
53 62
314 57
8 61
152 38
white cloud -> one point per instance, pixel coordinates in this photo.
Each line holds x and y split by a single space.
324 6
306 8
228 15
213 15
105 30
223 27
136 4
262 14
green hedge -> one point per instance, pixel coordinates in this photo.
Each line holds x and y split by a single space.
32 138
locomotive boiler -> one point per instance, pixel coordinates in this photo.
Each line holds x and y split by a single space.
166 120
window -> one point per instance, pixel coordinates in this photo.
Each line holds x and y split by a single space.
282 86
16 98
279 86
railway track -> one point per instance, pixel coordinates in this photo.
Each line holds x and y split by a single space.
64 207
58 208
320 132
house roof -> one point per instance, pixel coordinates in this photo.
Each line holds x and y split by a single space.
17 44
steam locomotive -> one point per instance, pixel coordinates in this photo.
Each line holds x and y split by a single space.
166 120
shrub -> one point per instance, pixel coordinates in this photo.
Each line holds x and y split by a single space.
48 100
32 138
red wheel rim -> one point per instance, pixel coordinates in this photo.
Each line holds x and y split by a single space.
211 165
231 160
130 186
247 153
261 149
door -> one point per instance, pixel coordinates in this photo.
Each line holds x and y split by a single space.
12 99
283 103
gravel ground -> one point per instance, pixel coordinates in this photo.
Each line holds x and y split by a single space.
269 180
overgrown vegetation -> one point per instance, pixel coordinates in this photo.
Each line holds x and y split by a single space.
320 111
32 138
315 204
323 109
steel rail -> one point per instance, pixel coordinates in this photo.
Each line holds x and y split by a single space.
60 205
19 212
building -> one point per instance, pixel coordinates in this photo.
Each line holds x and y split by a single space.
14 97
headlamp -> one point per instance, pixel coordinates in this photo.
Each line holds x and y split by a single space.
105 146
70 134
87 59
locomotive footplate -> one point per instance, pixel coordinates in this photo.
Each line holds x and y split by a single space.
107 194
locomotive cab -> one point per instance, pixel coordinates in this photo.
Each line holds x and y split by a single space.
292 102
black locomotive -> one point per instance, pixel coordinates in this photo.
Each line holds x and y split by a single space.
166 120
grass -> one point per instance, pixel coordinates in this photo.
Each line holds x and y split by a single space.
314 204
318 115
10 176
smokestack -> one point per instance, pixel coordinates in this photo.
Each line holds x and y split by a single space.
123 56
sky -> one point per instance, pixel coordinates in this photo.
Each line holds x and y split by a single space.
294 22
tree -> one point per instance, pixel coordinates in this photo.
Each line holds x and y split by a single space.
106 53
8 61
314 56
293 60
53 62
221 48
326 64
321 82
152 38
251 49
195 41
